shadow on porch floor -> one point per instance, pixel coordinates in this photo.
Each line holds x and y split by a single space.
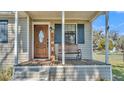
59 63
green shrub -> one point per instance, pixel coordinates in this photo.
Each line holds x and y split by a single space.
100 79
6 74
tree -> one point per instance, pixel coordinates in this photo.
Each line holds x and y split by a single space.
122 45
99 40
111 45
97 35
101 45
114 36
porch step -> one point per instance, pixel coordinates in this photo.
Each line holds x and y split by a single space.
63 73
31 73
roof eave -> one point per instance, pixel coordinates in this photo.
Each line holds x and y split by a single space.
96 15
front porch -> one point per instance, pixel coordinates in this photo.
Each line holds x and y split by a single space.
55 35
62 37
73 70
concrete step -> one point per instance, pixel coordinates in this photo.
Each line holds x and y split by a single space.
31 73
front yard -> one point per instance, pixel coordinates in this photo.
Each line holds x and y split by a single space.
117 64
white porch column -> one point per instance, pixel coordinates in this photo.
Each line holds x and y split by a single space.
28 31
16 38
63 37
106 37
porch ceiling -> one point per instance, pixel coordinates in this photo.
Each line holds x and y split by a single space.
11 14
56 15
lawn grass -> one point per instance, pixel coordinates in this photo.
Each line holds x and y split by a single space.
116 60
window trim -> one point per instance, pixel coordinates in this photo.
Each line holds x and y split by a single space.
5 41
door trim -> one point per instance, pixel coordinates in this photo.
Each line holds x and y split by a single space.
49 45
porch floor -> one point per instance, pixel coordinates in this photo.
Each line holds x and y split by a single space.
57 63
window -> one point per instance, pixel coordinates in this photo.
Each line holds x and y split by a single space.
58 34
70 34
81 34
3 31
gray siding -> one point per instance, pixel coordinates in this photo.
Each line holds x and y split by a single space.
87 46
23 55
7 49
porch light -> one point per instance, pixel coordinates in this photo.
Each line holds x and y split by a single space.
52 28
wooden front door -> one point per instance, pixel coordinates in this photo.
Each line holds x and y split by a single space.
40 41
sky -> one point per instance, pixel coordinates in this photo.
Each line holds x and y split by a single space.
116 22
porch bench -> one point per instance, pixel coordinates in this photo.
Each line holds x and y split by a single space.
71 52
